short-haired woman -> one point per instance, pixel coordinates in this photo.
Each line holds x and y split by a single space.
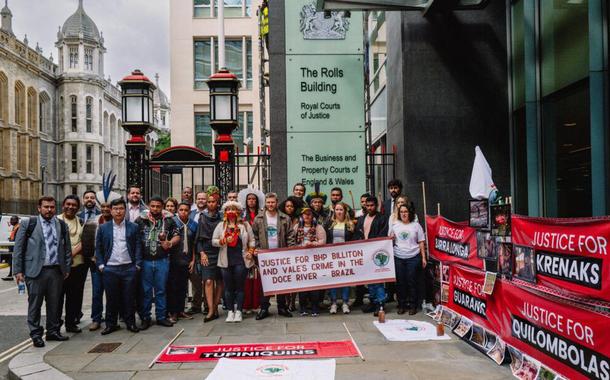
236 242
340 229
409 257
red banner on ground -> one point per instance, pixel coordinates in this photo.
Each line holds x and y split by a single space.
570 255
297 350
571 340
452 242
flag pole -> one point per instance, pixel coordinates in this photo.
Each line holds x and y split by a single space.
353 342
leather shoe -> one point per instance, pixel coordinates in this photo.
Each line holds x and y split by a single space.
94 326
193 310
284 313
401 310
110 329
133 328
145 324
184 315
57 337
412 311
74 329
165 323
38 342
207 319
262 314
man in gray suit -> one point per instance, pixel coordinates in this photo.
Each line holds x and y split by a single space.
42 258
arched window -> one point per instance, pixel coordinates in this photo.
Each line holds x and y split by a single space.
99 122
113 132
44 113
3 97
19 104
89 114
89 59
106 130
73 57
73 113
32 110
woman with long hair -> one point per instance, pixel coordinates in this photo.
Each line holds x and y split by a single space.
400 200
308 233
171 206
340 229
409 257
252 201
236 242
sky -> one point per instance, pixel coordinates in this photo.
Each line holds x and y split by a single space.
136 32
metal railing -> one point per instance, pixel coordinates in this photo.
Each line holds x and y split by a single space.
253 169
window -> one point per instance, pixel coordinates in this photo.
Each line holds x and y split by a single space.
32 109
89 159
89 114
73 57
74 190
89 59
32 155
203 62
163 119
3 97
232 8
44 111
100 158
201 8
203 132
99 121
74 158
19 104
61 113
74 113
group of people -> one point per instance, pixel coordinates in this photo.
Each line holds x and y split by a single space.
143 254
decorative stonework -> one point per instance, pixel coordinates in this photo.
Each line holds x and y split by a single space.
315 26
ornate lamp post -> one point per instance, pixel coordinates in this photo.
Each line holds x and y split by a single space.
137 99
224 88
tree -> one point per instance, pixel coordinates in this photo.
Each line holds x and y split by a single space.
164 142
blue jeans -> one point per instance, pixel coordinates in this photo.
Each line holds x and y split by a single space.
344 294
97 295
154 276
407 271
377 293
234 278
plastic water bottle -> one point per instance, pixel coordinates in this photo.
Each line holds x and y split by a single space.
21 287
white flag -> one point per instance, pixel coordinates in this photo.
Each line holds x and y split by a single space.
275 369
481 184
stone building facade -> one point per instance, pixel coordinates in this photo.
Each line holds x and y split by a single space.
60 123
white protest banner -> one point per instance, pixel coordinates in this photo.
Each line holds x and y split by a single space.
276 369
295 269
400 330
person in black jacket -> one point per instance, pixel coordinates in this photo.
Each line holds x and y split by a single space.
395 190
340 229
370 226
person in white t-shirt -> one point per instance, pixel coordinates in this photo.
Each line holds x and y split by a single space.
409 257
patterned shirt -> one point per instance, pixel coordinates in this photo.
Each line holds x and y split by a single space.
50 238
149 233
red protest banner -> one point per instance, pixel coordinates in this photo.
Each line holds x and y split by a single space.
570 255
569 339
452 242
466 295
296 350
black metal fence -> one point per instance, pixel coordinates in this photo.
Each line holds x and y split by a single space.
253 169
381 168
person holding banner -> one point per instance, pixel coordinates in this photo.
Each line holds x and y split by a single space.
251 200
308 233
339 230
236 242
291 207
409 254
271 230
370 226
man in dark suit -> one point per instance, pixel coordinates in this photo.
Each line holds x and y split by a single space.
395 190
370 226
42 258
118 255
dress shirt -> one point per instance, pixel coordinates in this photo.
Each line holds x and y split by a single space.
50 238
134 212
120 254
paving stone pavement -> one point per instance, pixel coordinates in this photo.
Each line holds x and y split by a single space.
452 359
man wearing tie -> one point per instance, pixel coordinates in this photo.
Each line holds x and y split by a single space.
90 209
118 255
42 258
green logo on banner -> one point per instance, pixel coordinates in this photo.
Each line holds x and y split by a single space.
381 258
272 369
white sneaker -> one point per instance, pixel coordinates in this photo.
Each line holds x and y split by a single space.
345 308
238 317
230 317
333 308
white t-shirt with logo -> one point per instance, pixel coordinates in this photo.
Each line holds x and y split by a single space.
406 238
272 233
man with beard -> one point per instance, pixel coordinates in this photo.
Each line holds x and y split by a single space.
207 256
90 209
135 208
201 203
395 190
158 235
336 196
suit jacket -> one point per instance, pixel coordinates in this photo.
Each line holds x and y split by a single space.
81 215
104 241
386 207
31 261
379 227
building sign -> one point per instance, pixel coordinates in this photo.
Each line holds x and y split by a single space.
325 99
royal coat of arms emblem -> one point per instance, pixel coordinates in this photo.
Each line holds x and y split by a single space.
315 26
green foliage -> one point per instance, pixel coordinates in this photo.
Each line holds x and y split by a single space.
164 142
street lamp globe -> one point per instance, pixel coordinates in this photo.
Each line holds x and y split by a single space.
137 97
